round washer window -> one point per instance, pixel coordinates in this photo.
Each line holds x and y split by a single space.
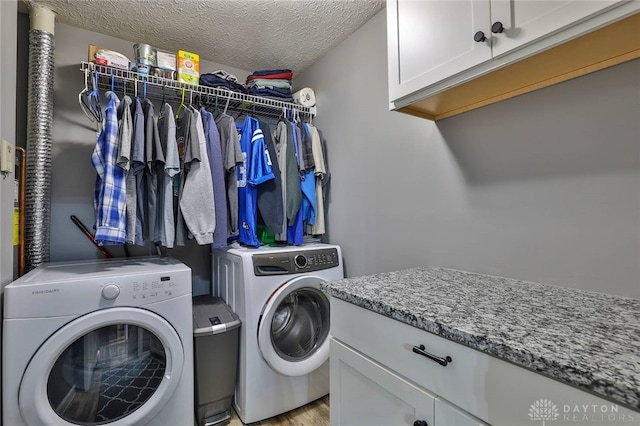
300 324
106 374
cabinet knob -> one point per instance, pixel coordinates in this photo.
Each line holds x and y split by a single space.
497 27
479 37
420 423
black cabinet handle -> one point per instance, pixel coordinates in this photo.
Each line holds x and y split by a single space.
497 27
479 37
420 423
440 360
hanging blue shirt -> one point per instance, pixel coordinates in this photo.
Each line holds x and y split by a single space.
255 169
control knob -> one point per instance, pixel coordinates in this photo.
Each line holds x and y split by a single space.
110 291
300 260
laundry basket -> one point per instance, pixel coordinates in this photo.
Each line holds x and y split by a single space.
216 331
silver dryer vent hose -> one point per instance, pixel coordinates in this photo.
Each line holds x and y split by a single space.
39 127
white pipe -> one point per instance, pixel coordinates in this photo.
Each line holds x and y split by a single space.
42 19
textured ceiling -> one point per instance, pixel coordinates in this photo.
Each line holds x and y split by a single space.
245 34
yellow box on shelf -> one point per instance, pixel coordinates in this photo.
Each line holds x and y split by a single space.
188 67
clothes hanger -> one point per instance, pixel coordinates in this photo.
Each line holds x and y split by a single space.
226 105
94 100
191 100
182 105
83 98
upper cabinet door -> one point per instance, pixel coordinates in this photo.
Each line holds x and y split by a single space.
430 40
525 21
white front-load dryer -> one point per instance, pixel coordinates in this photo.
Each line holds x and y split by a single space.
99 342
284 339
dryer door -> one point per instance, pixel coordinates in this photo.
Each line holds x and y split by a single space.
293 332
117 366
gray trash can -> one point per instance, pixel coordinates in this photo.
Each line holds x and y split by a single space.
215 345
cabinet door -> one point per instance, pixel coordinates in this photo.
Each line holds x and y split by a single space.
365 393
525 21
449 415
429 41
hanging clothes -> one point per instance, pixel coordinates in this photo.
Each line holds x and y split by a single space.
125 126
318 227
154 173
214 153
196 202
110 188
307 178
295 231
305 147
255 170
136 178
290 177
167 131
188 150
270 204
231 159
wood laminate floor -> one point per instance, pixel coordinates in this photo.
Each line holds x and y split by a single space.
313 414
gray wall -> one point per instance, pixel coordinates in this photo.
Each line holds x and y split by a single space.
8 49
74 138
542 187
8 25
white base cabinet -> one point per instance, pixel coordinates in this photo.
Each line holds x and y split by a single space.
449 415
378 378
365 393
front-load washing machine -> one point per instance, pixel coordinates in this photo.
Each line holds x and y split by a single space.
284 338
99 342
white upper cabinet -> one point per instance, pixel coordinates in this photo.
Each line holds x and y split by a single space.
438 45
429 41
525 21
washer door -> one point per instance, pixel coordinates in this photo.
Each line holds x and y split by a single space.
117 366
293 333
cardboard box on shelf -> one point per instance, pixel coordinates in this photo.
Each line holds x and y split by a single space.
104 56
166 60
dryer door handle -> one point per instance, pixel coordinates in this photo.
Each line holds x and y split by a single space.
270 270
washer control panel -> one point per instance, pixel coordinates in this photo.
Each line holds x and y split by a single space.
139 289
295 262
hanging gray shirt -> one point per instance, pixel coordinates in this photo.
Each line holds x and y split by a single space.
231 157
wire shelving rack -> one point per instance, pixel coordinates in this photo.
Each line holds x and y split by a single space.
235 103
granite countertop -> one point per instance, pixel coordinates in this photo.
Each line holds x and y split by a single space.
586 339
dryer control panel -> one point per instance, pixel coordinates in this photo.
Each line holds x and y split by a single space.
295 262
